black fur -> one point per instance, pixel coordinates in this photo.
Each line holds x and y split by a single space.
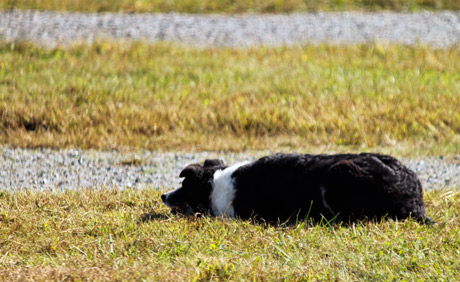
345 187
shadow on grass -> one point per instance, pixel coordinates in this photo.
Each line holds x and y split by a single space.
149 216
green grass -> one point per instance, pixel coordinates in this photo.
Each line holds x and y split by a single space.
100 235
230 6
120 95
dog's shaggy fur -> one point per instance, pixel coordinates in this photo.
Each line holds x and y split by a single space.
281 187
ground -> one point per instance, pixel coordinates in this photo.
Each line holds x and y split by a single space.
130 235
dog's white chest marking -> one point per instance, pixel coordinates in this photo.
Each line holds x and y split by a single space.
223 191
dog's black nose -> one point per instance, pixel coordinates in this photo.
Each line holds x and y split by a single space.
163 197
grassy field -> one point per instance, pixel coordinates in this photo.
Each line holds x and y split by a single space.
230 6
136 95
111 235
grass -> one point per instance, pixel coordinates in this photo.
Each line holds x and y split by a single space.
160 96
230 6
112 235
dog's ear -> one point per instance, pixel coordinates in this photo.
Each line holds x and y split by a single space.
191 170
211 163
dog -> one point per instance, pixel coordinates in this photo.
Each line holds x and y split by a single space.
286 187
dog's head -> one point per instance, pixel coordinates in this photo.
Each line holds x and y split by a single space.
193 196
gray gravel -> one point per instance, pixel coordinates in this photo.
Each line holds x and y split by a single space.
71 169
440 29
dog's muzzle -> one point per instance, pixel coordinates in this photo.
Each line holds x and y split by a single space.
183 208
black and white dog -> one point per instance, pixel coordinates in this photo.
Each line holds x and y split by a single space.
282 187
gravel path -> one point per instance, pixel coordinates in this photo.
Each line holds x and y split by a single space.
440 29
70 169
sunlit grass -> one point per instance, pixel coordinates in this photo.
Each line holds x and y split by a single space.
89 235
230 6
119 95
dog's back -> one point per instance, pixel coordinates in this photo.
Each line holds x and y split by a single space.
345 186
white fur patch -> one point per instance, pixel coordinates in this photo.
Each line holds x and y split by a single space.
223 191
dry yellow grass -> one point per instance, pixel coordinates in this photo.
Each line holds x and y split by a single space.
110 235
229 6
119 95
